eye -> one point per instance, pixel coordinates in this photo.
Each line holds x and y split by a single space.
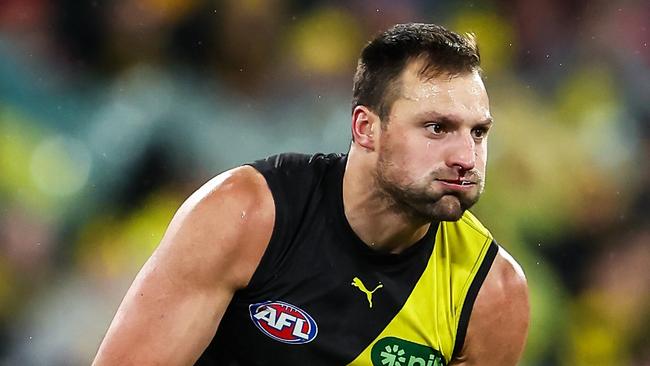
479 133
435 128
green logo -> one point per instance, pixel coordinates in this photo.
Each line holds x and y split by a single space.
391 351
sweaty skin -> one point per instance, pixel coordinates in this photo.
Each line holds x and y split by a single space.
399 177
437 133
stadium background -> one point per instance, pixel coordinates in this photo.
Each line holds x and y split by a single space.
112 112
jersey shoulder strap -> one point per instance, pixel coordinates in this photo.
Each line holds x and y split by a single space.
294 181
470 250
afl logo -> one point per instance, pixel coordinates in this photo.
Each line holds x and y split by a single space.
283 322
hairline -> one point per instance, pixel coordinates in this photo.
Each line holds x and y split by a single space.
428 71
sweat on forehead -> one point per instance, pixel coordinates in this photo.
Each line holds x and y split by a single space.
430 81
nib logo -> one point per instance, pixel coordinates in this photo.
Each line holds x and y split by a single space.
392 356
391 351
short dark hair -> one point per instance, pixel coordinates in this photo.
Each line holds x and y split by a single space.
385 57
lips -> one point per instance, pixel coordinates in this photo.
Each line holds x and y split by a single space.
459 182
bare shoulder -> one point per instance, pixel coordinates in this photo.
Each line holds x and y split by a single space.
230 219
505 280
210 249
244 183
498 325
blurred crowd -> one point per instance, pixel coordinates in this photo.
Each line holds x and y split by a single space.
112 112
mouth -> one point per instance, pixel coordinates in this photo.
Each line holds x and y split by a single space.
461 184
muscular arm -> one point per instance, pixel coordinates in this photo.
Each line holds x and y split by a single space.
498 326
210 249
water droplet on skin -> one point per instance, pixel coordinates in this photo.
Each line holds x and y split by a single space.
243 214
474 90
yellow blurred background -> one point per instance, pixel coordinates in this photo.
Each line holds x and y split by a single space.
112 112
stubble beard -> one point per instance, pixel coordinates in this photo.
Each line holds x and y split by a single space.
419 200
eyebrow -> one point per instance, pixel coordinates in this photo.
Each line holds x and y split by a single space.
435 116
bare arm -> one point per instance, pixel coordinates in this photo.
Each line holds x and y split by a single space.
498 326
211 248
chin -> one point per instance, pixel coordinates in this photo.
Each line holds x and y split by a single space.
450 215
447 208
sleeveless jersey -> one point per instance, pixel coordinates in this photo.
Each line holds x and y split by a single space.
321 296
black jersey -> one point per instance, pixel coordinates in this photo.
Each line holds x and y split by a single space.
321 296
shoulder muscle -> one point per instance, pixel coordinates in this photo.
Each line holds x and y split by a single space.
210 249
225 224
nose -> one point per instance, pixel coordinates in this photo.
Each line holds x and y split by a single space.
461 152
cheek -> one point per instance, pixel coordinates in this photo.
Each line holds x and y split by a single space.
400 154
425 155
410 152
420 156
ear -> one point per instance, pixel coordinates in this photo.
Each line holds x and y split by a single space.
365 126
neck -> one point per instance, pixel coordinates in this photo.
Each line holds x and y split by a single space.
375 217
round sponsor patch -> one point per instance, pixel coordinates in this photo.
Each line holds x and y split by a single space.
283 322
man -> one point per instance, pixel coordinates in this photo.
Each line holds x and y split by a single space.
368 258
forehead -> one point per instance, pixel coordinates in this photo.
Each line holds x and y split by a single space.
463 95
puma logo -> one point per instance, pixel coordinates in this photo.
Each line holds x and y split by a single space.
356 282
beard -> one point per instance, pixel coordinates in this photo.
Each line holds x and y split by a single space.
421 200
